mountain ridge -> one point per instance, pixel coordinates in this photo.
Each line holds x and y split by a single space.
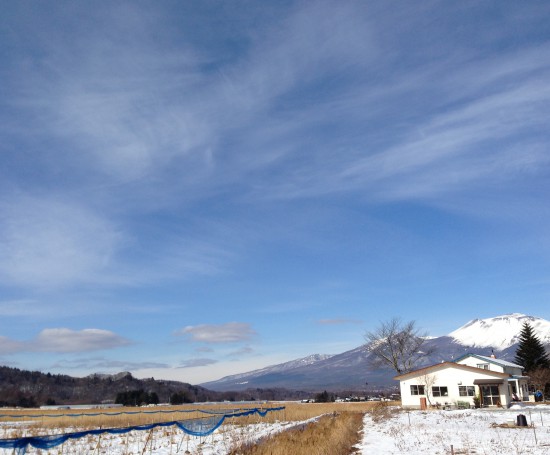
295 379
350 369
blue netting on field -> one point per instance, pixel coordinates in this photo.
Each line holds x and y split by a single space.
195 427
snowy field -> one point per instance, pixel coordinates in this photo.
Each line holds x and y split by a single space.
475 431
163 441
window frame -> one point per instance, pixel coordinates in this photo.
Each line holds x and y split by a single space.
417 389
468 391
442 391
490 398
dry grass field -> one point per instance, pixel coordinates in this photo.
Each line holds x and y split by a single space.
335 429
334 434
112 418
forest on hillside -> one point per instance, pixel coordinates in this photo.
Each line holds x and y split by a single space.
22 388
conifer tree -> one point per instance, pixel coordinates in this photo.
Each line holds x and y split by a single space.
531 353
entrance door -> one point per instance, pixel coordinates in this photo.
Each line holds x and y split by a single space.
491 395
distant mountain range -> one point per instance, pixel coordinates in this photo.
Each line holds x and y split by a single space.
351 369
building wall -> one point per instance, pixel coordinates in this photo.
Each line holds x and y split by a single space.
452 378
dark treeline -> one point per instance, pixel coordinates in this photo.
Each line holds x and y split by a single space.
22 388
136 398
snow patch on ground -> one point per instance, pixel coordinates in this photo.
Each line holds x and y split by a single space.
162 441
470 431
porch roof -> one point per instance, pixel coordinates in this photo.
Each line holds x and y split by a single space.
488 381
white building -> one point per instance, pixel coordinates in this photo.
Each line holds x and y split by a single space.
496 382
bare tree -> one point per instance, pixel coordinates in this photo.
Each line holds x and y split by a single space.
427 380
397 345
539 379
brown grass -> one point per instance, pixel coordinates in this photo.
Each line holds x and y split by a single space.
334 434
383 411
108 418
293 412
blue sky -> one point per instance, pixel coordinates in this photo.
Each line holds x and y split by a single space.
195 189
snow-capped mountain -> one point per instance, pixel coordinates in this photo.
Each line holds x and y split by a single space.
500 332
351 370
275 369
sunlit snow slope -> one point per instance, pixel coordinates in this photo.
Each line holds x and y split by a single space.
500 332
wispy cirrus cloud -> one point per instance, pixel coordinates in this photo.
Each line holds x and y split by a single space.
115 102
53 243
142 117
8 346
145 145
245 350
194 363
478 132
22 308
99 364
48 243
157 111
338 321
230 332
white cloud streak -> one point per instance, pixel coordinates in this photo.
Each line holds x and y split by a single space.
338 321
193 363
8 346
63 340
22 308
231 332
489 138
97 365
67 340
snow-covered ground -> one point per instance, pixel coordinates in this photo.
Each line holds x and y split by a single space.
475 431
472 431
162 441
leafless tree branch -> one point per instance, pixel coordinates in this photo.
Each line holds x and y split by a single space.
397 345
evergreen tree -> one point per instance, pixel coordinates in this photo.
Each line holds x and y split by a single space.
531 353
324 397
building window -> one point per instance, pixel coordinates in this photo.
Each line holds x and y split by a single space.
438 391
417 390
491 395
466 390
483 366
